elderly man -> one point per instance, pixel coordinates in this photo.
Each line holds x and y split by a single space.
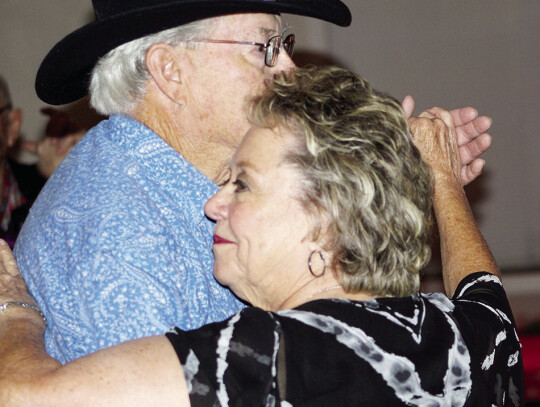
117 245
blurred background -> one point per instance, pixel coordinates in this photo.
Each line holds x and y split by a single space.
482 53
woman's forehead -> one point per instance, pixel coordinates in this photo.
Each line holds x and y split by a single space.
263 147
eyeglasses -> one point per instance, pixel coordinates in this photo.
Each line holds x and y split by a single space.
272 47
6 107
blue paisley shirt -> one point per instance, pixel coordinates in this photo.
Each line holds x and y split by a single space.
117 245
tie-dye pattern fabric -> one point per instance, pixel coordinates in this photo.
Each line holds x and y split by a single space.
424 350
117 246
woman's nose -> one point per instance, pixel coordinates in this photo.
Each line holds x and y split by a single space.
216 207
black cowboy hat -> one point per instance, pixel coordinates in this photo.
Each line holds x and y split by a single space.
63 76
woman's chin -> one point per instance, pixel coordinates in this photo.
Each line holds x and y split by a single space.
222 275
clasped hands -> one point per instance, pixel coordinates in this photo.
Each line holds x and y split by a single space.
463 141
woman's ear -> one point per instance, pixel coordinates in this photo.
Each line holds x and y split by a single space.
163 64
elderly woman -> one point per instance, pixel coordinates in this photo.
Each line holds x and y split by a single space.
323 227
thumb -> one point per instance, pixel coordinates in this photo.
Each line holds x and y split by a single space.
408 106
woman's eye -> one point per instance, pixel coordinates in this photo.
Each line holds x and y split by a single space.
240 186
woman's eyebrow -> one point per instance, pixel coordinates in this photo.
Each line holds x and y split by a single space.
243 164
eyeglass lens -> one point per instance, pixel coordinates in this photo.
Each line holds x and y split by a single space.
274 45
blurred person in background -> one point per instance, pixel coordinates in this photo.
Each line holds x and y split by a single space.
22 182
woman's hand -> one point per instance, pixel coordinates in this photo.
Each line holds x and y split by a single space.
145 372
12 286
434 135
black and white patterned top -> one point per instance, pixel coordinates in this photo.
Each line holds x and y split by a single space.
423 350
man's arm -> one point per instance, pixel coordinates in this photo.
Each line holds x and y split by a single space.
471 135
463 248
145 372
105 275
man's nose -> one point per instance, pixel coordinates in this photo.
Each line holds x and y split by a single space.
284 62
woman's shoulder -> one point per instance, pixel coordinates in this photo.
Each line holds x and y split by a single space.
401 325
378 345
480 285
250 322
479 296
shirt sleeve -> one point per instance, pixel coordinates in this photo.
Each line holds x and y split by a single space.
103 276
117 247
232 362
488 328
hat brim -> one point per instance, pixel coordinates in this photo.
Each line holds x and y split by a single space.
63 76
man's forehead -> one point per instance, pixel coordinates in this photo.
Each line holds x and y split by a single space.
272 31
269 28
254 23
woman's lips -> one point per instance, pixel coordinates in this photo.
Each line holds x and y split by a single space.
219 240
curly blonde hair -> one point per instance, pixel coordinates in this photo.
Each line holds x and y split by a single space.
364 180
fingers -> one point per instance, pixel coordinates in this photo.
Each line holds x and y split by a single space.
12 286
7 261
474 148
470 172
464 115
426 115
475 128
408 106
468 124
443 115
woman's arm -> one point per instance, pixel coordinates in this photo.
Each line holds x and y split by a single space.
145 372
463 248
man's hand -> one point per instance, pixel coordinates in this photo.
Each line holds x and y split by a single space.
472 137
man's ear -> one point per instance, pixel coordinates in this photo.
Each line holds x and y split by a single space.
163 64
15 118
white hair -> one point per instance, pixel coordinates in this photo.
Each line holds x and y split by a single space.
118 80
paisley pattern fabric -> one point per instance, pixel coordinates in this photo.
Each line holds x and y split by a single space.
424 350
117 246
